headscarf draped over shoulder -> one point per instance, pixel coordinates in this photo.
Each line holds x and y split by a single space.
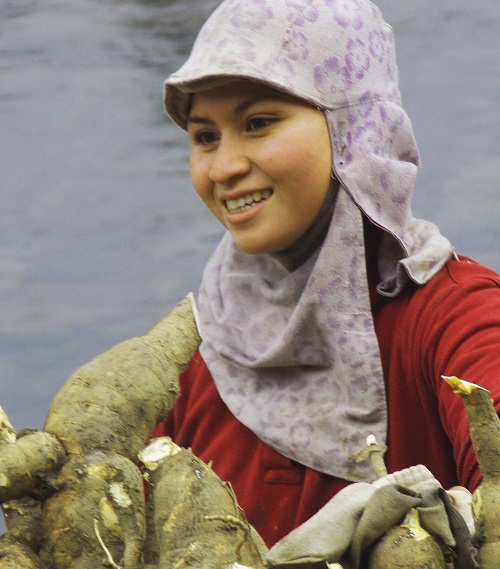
294 354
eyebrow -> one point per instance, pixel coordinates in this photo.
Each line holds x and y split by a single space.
240 107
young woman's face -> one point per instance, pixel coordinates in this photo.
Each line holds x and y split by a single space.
261 162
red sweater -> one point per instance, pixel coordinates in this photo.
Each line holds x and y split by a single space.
450 326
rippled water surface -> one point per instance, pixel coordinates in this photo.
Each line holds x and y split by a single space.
100 231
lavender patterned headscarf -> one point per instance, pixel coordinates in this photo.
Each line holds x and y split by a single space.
294 354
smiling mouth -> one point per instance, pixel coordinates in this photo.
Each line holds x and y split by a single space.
248 201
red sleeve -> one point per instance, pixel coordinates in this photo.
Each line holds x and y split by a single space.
451 326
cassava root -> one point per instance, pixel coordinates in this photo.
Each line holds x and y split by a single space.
27 462
404 546
123 393
407 546
15 555
484 426
197 519
82 466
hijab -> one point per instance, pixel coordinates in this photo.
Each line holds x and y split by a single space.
293 351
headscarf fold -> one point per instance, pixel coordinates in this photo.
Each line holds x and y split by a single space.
294 354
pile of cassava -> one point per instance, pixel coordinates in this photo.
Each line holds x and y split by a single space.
74 497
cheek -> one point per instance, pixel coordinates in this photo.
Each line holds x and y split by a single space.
303 151
198 169
320 147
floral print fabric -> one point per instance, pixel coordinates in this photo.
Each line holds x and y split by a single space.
294 354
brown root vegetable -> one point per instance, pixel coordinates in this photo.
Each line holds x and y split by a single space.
374 453
26 462
484 426
114 402
14 555
96 515
197 519
23 519
7 431
20 466
407 546
83 465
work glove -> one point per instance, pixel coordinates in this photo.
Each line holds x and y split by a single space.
355 518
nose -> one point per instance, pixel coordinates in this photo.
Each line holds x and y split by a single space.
229 162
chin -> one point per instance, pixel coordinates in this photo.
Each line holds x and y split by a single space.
252 250
255 248
255 243
251 247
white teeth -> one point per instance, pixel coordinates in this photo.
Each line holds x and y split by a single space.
247 201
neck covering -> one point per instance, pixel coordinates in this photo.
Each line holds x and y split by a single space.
295 255
294 354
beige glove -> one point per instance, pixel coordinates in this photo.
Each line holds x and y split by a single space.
361 513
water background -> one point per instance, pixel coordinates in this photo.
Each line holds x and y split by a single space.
100 231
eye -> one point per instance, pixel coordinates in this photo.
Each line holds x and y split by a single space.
258 123
205 137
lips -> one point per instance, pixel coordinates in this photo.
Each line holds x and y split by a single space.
247 201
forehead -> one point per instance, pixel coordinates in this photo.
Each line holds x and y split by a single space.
239 92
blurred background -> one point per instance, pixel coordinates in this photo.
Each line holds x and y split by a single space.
101 233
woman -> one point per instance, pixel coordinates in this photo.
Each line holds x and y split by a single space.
328 312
